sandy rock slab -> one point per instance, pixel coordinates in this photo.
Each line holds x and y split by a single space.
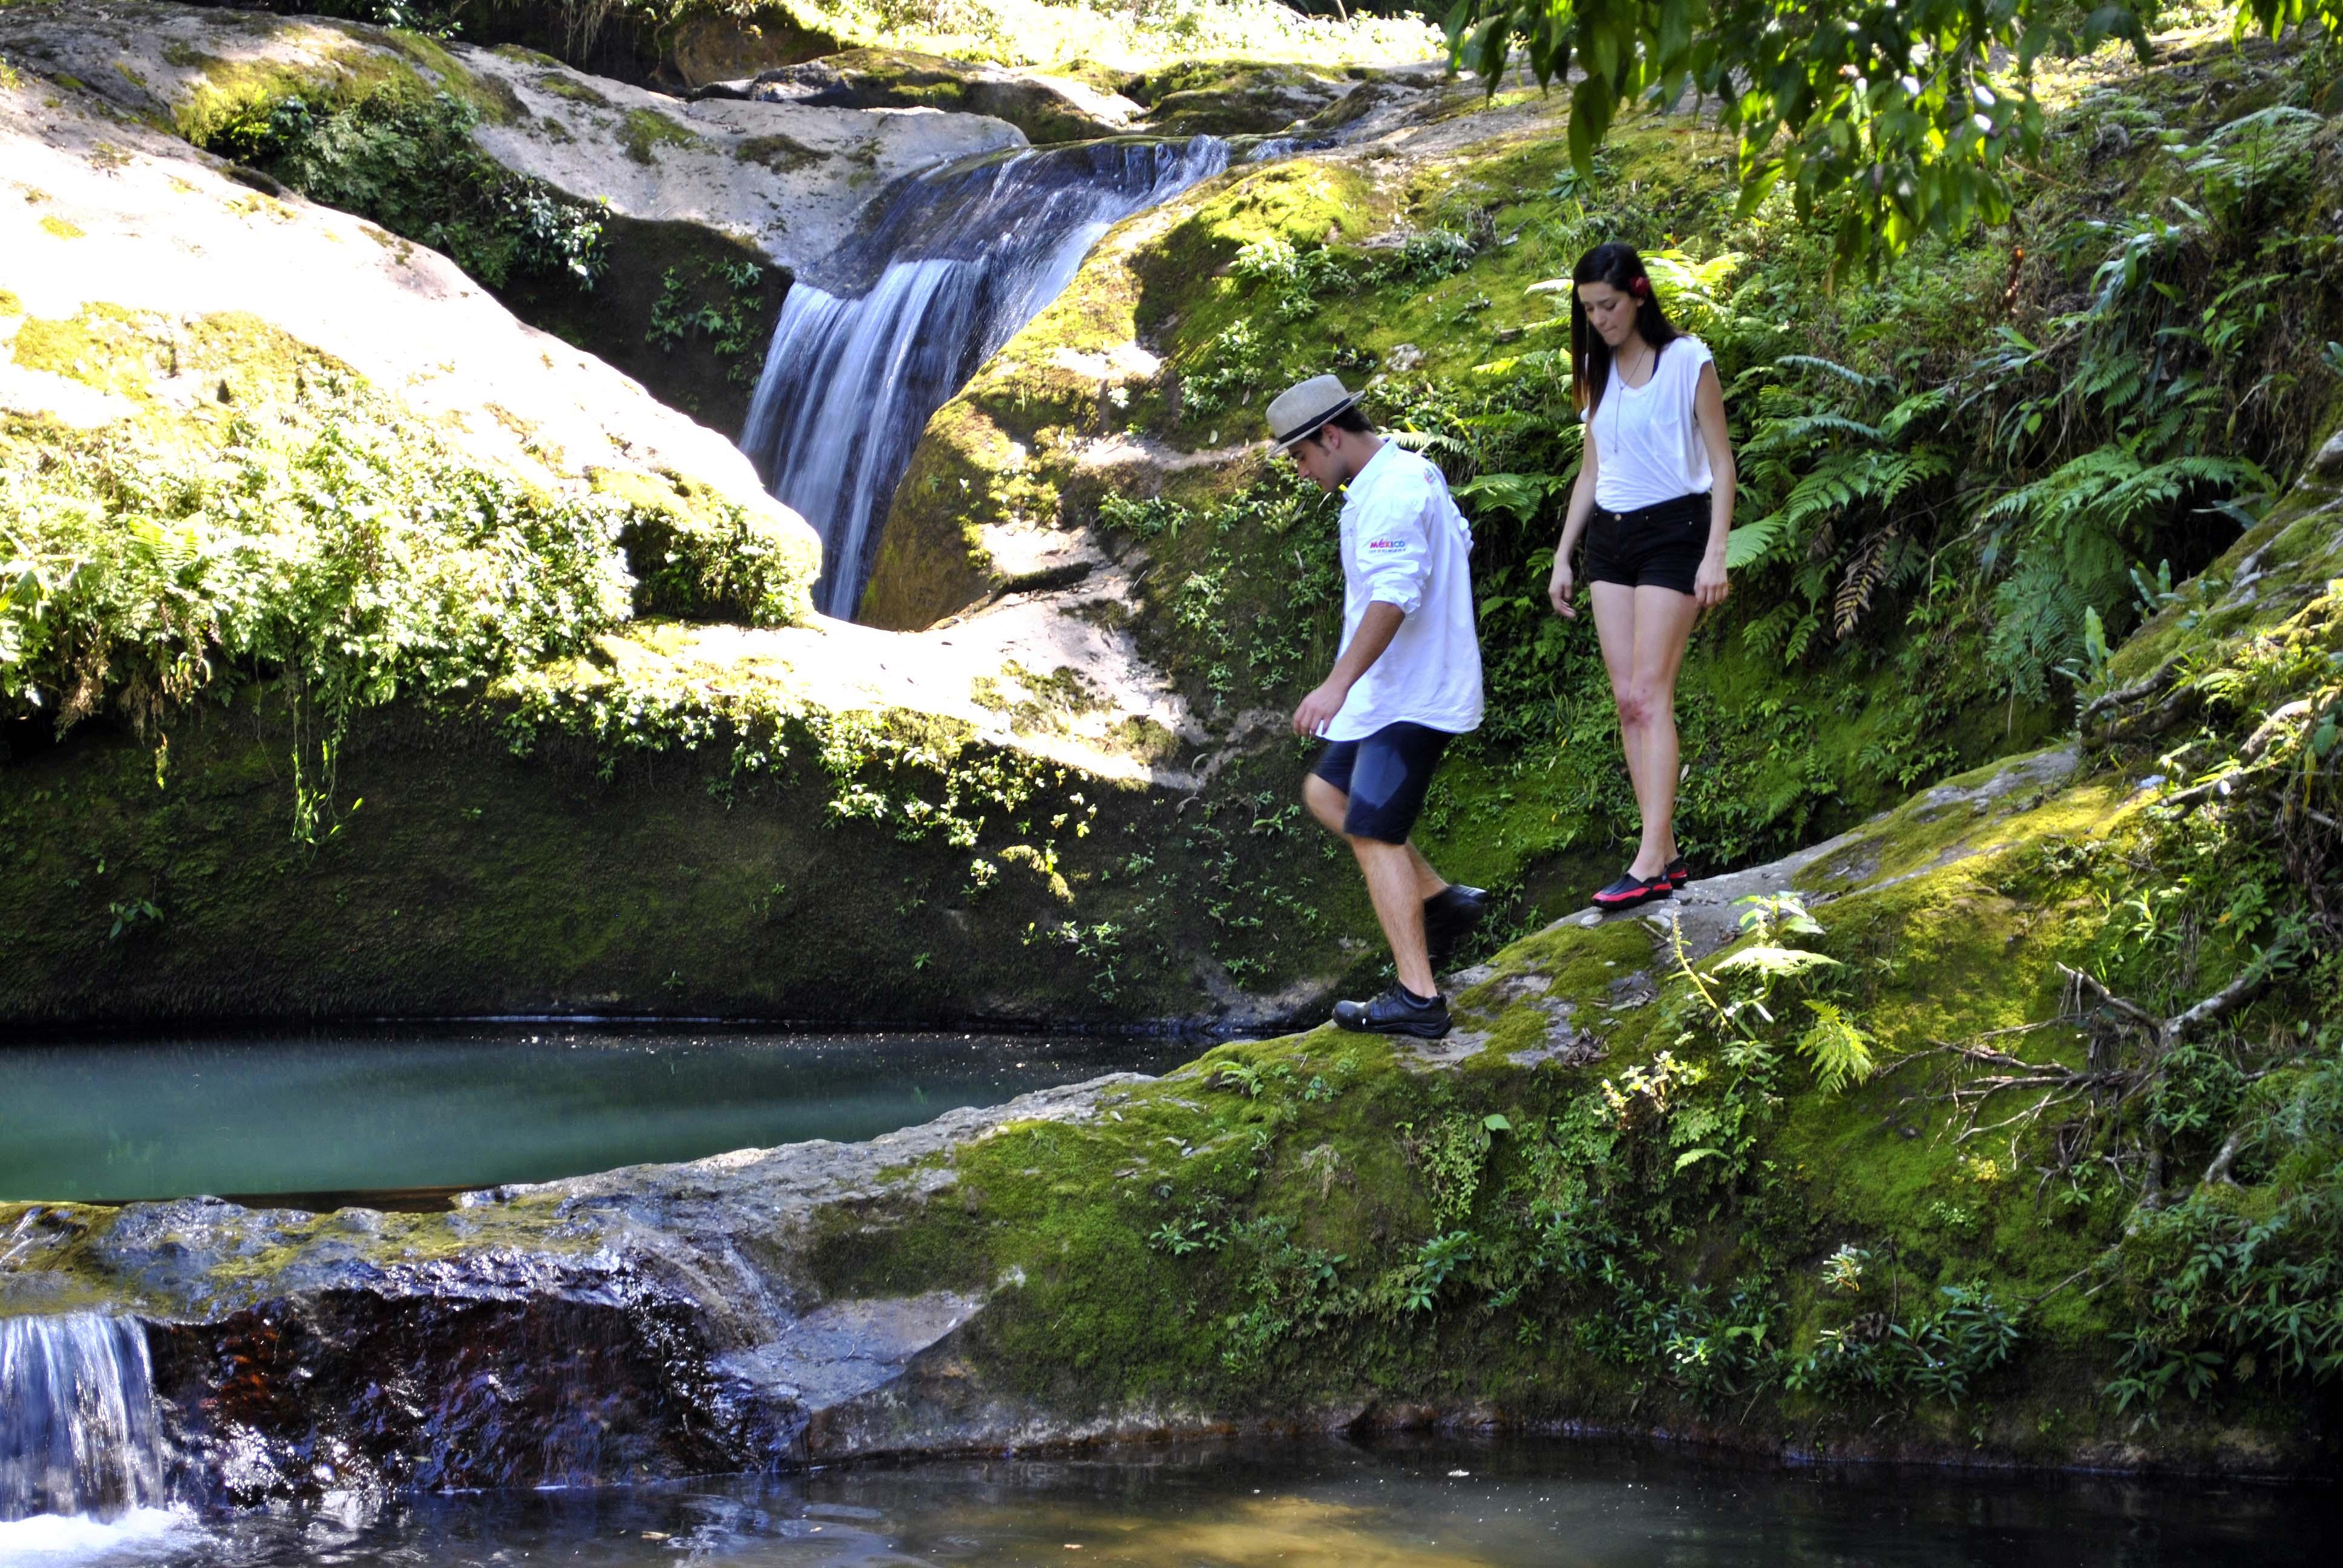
101 212
788 176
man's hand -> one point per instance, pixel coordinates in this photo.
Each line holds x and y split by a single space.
1560 587
1709 587
1318 708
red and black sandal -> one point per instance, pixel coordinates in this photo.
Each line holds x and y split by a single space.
1678 872
1631 889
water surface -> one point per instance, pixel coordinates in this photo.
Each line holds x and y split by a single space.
1307 1505
389 1112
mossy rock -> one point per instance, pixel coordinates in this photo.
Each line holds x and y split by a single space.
697 556
1046 110
1236 98
683 44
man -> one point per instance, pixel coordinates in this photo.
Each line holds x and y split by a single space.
1407 682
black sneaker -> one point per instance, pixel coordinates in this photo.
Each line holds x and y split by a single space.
1631 889
1449 916
1395 1012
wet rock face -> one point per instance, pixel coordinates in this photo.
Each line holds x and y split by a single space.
348 1392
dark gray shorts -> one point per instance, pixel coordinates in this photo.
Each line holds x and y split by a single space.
1386 776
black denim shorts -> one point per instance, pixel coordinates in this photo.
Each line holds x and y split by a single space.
1652 547
1386 776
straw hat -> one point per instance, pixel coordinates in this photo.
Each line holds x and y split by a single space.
1300 411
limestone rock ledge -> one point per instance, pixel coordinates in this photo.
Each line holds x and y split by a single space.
654 1321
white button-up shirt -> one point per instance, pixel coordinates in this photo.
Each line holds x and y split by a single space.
1404 543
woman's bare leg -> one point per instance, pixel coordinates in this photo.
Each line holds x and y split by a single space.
1615 629
1662 622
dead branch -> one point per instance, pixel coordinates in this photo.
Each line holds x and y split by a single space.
2131 1011
2280 720
2222 1002
2157 680
2230 1148
2102 1086
2224 786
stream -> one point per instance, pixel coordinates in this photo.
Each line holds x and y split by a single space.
90 1476
1437 1504
397 1117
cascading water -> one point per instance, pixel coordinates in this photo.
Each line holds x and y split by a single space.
78 1429
952 263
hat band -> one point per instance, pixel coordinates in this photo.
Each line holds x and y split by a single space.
1316 423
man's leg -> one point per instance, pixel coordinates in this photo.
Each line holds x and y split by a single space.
1429 883
1393 886
1330 806
1325 802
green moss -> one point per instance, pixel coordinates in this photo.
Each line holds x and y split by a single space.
644 131
1163 1250
227 91
563 85
1227 99
104 346
1961 817
1304 200
654 274
521 54
490 97
932 558
782 154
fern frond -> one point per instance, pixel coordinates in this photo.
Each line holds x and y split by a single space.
1913 409
1824 493
1839 1051
1919 469
1794 646
1752 544
1864 572
1805 430
1832 367
1769 631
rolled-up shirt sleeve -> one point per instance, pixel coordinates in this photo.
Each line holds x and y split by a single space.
1391 555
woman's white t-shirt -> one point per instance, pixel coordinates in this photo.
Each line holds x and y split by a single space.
1647 444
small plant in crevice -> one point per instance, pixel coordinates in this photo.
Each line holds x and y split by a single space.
717 304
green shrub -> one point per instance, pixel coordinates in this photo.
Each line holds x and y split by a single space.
408 161
344 553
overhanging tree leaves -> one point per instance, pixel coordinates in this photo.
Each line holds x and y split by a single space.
1896 117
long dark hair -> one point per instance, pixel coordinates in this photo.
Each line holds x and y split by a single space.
1590 358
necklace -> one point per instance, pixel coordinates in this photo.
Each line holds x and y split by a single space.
1639 364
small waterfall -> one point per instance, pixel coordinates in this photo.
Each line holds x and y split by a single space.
951 262
78 1430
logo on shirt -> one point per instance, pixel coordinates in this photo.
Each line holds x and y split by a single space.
1385 546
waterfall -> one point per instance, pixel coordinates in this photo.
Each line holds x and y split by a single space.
946 269
79 1430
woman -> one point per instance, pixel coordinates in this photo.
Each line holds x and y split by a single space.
1654 501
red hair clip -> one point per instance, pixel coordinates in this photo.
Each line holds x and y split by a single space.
1640 287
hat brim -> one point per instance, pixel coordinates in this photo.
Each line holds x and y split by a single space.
1287 442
